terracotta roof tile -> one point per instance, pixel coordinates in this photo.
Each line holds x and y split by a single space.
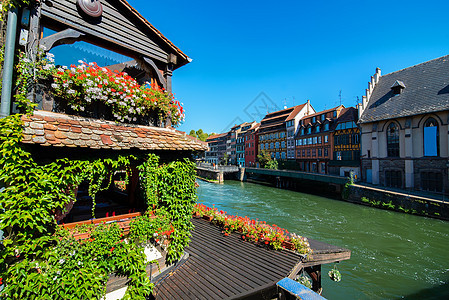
53 129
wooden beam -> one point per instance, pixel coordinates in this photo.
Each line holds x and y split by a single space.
315 273
153 66
68 36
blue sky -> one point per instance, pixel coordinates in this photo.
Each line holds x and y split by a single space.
290 50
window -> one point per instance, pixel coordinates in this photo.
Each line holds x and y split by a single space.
283 144
266 145
320 152
393 178
313 119
314 140
277 145
304 152
319 140
431 134
393 140
335 113
261 146
299 153
271 145
326 152
283 155
313 152
326 127
277 155
323 116
309 130
302 131
323 168
326 138
317 128
431 181
309 141
308 152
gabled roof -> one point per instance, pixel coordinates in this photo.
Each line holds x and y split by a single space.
426 91
280 116
152 28
295 111
348 114
60 130
323 112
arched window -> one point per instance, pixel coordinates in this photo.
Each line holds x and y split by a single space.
431 137
393 140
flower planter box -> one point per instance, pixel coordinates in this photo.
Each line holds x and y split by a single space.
208 218
288 245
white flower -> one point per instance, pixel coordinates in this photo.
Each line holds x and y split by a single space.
65 84
82 108
26 60
70 91
80 61
73 70
55 86
60 69
48 66
134 119
61 261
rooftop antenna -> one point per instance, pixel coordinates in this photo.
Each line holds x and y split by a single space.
339 95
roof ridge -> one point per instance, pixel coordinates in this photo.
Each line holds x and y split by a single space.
417 65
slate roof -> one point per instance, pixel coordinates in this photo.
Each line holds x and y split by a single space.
426 91
54 129
347 114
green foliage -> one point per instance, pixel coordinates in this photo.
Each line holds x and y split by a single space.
171 187
39 262
200 134
265 160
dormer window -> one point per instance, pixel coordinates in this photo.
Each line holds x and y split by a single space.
318 128
397 87
309 130
302 131
313 119
323 116
326 127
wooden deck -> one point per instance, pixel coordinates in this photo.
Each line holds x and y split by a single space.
226 267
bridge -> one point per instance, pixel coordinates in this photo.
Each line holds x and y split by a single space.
215 173
339 180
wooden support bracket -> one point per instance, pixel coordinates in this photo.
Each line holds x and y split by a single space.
68 36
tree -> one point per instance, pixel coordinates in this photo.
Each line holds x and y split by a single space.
193 133
225 159
265 160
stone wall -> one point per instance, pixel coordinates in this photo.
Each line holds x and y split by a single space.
398 202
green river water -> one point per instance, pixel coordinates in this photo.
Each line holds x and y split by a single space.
394 255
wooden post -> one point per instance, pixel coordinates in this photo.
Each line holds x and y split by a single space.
315 274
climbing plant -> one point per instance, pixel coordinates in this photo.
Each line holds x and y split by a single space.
39 261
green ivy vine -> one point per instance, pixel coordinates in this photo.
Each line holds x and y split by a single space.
40 261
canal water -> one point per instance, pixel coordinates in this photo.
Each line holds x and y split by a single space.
394 255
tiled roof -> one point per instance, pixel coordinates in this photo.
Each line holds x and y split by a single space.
53 129
322 112
348 114
216 136
296 111
426 91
